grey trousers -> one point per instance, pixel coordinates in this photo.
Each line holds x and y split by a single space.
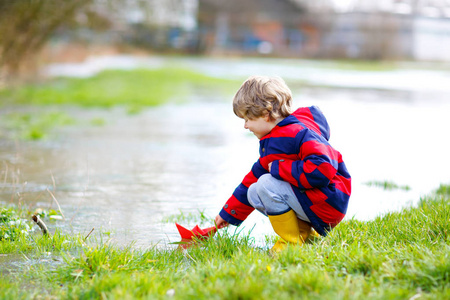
274 197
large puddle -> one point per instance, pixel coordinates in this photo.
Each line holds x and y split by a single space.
129 176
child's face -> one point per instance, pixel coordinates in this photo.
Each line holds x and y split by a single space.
259 126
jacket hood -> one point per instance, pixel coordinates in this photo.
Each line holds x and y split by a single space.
311 117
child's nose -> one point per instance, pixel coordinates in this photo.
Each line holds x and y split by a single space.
245 125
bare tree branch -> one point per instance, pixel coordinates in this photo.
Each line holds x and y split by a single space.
26 25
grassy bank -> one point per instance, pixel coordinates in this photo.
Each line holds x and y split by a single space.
140 87
403 255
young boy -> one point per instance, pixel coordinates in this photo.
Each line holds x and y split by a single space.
300 182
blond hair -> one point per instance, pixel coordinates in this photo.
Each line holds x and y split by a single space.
260 96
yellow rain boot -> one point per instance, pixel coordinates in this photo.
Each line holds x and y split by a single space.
287 227
291 230
307 232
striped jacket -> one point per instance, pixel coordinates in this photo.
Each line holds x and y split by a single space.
301 155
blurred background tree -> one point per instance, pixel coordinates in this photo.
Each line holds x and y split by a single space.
27 25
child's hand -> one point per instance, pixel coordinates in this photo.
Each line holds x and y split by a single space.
220 223
270 166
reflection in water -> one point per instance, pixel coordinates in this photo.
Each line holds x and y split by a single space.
125 177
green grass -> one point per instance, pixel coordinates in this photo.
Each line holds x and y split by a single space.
387 185
18 234
133 89
32 126
443 190
401 255
12 225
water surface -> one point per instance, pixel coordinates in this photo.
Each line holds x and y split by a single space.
128 176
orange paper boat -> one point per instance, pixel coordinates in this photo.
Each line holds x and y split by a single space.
195 232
